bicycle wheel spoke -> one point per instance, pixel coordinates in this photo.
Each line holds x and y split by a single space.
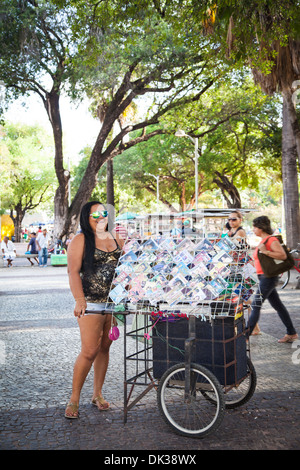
196 416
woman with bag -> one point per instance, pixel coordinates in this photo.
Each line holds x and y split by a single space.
269 246
93 256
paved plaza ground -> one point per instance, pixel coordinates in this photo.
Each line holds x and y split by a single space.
39 341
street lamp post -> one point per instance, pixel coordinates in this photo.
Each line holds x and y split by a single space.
181 133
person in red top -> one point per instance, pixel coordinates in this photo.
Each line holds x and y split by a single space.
267 286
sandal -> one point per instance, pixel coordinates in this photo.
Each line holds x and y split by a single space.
256 331
74 409
288 338
101 404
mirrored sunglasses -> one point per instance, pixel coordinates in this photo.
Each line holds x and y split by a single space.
97 214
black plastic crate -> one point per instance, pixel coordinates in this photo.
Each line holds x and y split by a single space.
220 346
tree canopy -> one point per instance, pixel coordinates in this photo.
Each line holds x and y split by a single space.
163 58
27 179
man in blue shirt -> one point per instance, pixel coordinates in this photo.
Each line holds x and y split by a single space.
32 247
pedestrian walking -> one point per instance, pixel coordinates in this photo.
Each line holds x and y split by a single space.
270 246
69 239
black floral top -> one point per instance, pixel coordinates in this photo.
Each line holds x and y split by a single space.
97 285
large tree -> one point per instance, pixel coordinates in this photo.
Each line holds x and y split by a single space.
266 35
239 144
35 58
123 54
124 59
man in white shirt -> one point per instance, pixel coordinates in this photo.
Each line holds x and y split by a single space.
8 251
42 243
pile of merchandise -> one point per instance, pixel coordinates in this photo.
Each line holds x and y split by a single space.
206 276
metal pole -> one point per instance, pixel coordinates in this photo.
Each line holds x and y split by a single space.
157 193
196 172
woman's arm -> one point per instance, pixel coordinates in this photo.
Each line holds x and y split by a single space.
240 233
276 252
75 257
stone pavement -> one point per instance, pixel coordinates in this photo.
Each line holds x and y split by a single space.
39 341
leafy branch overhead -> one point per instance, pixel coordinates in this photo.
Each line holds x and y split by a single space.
27 179
150 68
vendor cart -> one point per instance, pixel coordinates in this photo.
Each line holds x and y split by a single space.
192 350
196 376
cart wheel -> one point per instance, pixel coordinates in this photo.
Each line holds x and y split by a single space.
194 416
238 396
283 279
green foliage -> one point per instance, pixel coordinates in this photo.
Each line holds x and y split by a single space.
248 142
27 177
238 133
36 48
126 195
120 52
256 26
163 155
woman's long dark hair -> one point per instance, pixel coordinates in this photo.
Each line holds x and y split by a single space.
263 222
89 236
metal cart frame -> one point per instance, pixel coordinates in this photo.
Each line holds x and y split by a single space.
142 358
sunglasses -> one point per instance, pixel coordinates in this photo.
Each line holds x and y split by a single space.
231 219
97 214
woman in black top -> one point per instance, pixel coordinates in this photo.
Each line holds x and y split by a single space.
235 222
92 258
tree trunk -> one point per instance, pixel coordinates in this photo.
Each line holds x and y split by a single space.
17 222
182 196
289 173
63 176
110 194
229 191
82 196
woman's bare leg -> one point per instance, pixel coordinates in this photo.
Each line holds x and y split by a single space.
91 331
101 364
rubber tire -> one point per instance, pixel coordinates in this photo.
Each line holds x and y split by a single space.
171 420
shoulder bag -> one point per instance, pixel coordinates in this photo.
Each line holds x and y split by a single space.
273 267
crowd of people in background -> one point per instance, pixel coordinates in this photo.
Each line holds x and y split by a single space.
40 242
